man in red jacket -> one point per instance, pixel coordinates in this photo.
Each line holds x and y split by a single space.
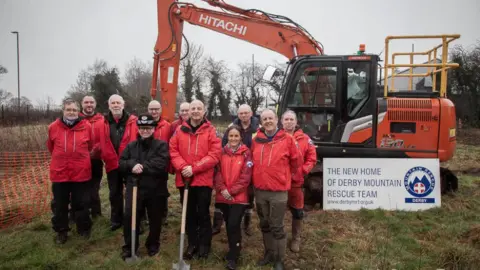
308 156
120 129
96 120
195 150
70 144
182 116
275 156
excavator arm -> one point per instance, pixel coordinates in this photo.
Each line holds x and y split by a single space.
273 32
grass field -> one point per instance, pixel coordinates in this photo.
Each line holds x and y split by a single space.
445 238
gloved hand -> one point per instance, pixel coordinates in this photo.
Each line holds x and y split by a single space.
227 195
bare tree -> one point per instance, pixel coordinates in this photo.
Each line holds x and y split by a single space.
138 79
5 96
46 104
247 85
85 79
191 69
464 83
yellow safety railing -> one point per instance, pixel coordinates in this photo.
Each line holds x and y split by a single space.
443 66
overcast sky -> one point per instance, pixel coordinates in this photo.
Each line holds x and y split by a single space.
58 38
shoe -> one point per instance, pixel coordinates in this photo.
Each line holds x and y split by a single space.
115 226
61 238
190 252
231 265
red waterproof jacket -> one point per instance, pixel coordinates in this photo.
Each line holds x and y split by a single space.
163 131
274 161
70 149
177 123
201 150
308 156
234 174
130 135
96 121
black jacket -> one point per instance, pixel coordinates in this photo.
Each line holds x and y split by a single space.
153 154
247 134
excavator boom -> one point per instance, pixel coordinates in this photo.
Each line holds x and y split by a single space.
276 33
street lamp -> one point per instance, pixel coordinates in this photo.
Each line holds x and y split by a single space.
18 68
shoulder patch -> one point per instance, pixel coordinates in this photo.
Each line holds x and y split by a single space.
310 141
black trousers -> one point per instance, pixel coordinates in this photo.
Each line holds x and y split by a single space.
251 197
97 174
198 223
154 204
78 192
233 214
115 185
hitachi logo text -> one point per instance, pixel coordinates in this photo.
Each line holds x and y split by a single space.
219 23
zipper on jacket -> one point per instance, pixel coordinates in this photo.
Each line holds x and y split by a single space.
196 145
270 156
189 145
261 155
65 133
74 141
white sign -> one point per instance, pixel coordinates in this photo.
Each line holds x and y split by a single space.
390 184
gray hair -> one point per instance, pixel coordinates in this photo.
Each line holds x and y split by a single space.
116 96
69 101
245 106
289 112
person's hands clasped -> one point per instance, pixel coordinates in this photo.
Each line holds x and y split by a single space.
137 169
187 171
227 195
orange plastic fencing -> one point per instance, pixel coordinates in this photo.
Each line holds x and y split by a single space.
25 189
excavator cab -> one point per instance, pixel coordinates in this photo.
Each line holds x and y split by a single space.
327 92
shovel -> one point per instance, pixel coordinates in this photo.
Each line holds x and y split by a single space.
182 265
133 257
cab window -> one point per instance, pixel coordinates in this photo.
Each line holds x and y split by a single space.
316 86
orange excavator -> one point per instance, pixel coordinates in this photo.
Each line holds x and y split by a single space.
338 98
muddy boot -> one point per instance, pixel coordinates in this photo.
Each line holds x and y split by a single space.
280 250
269 255
217 222
296 231
247 220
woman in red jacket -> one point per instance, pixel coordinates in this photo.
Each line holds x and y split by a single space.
70 144
232 179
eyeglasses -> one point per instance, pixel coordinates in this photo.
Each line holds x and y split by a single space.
145 128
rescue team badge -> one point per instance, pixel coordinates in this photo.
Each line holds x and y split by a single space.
419 182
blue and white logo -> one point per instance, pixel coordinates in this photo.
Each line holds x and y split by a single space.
419 182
